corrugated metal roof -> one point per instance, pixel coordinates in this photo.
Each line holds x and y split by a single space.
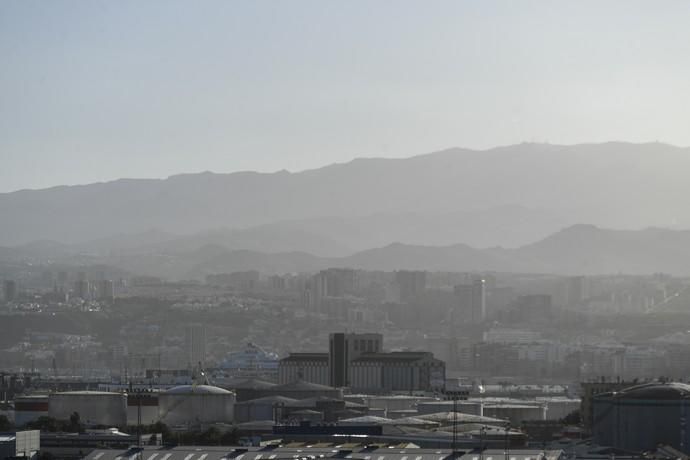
459 417
299 451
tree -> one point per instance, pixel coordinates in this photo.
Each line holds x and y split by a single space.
45 423
230 438
573 418
75 423
6 424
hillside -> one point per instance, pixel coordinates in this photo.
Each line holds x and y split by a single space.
577 250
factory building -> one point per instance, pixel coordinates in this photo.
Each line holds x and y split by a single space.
397 371
642 417
343 349
312 367
358 362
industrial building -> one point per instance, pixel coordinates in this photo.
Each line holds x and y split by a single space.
312 367
397 371
343 349
358 362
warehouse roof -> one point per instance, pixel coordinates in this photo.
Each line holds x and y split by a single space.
459 417
297 452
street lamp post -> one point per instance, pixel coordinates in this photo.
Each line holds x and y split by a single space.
506 447
481 442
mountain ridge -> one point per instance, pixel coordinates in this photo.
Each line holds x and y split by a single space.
615 185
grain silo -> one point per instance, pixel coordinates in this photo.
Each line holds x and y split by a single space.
193 404
93 407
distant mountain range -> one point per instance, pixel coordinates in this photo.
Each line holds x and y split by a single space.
578 249
508 196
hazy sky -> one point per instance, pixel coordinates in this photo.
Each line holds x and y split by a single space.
93 90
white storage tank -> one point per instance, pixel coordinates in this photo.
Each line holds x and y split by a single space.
267 408
94 407
193 404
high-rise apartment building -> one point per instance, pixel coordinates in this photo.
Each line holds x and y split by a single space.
333 282
410 284
9 289
195 345
106 290
575 290
82 289
471 307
